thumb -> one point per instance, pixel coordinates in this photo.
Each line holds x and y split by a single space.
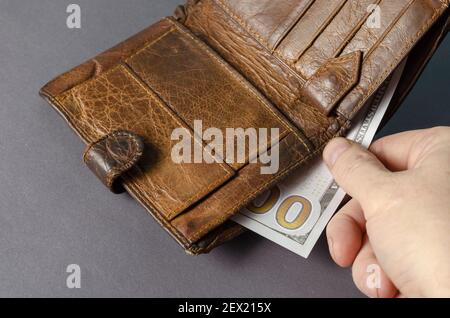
356 170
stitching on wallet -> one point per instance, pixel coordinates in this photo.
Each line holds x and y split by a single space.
85 83
326 68
320 30
239 19
253 33
390 27
349 81
293 23
150 44
153 211
354 32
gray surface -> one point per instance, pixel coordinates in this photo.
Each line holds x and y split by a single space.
54 213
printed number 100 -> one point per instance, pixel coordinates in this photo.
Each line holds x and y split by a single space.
284 208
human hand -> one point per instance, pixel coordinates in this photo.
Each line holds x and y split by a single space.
399 217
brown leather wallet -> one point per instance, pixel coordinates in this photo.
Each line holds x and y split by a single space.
305 67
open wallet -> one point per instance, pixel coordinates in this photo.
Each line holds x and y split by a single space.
305 67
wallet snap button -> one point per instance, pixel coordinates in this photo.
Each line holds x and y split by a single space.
113 155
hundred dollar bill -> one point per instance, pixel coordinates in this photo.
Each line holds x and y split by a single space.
295 212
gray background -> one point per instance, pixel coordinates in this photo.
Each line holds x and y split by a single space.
54 213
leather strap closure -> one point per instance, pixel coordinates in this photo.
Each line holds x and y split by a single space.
112 155
332 82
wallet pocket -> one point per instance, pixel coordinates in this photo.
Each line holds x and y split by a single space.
199 86
117 100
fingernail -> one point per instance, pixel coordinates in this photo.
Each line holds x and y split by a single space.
334 150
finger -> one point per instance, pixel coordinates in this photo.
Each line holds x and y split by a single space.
405 150
368 275
356 170
345 233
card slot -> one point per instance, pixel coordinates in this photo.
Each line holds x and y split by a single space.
390 46
296 16
334 37
368 37
371 9
308 29
251 14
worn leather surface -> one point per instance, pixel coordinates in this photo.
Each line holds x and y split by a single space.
303 66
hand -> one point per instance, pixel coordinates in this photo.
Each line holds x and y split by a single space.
399 218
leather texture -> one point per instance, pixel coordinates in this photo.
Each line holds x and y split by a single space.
305 67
